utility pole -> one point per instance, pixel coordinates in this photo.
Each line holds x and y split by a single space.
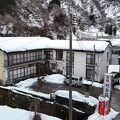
70 68
93 79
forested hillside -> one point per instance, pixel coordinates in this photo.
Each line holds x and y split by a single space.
51 18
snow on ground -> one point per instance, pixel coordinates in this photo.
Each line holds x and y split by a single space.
26 83
55 78
97 116
24 86
8 113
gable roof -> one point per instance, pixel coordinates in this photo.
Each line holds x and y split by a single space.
13 44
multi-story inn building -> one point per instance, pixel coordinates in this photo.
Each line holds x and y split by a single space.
24 57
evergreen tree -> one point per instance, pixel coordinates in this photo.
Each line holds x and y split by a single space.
6 6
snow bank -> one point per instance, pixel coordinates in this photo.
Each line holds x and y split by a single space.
97 116
77 96
26 83
55 78
24 86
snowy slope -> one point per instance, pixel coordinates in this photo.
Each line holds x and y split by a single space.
46 18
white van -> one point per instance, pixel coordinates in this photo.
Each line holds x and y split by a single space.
76 81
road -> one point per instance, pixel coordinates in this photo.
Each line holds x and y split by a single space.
115 102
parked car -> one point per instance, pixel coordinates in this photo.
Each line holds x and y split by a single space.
76 81
115 79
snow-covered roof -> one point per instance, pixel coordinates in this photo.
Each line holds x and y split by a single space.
11 44
113 68
115 42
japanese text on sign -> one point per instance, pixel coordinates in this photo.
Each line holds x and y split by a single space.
107 85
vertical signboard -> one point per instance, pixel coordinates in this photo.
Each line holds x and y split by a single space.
107 85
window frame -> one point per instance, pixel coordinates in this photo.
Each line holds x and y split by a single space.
59 55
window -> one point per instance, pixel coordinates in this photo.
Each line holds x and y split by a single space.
34 55
49 55
22 72
67 56
52 66
115 52
90 58
89 72
31 56
18 72
26 73
67 68
118 61
14 59
59 55
39 55
21 58
28 56
10 60
107 56
76 79
15 75
28 70
11 75
25 57
34 69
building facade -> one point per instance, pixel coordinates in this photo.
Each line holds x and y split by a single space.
115 55
83 63
17 65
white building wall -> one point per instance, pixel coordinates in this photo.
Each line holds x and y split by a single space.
79 70
97 65
115 60
103 64
61 65
3 69
80 64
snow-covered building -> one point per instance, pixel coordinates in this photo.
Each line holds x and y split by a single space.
24 57
115 51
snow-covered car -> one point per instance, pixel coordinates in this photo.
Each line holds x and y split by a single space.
76 81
